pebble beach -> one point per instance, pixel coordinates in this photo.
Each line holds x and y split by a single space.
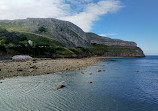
42 66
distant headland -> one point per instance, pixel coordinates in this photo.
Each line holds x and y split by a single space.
52 38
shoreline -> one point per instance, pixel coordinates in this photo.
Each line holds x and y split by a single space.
42 66
120 57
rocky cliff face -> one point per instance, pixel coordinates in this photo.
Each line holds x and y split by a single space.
94 38
65 32
132 52
68 34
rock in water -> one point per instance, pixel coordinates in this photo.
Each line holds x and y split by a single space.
60 86
99 70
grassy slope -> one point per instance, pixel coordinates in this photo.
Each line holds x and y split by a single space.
17 43
53 49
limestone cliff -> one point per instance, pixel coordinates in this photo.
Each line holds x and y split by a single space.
70 35
94 38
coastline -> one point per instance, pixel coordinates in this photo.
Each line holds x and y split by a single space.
121 57
43 66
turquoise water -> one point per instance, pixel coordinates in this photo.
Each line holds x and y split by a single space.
119 87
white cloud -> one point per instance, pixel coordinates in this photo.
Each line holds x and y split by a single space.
81 12
17 9
108 34
104 35
92 12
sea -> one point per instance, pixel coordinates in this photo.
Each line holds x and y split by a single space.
129 84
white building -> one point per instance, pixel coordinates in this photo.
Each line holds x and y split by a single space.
30 42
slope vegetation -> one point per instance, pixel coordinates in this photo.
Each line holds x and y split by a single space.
56 38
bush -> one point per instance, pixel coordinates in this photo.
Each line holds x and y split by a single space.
1 42
42 29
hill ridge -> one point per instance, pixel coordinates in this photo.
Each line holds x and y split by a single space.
68 34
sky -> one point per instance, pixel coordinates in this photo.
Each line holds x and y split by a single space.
131 20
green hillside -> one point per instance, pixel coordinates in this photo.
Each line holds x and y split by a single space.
55 38
13 43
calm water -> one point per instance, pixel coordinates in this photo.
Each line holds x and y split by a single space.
117 88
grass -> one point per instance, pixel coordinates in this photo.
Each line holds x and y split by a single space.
13 43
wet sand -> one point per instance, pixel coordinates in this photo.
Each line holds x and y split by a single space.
40 67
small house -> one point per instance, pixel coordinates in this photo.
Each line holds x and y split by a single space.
30 42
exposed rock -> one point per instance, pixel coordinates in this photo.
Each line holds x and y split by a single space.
19 70
30 70
65 32
34 67
34 61
70 35
99 70
67 69
21 57
2 77
60 86
94 38
131 52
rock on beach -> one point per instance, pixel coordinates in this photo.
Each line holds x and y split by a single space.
42 66
21 57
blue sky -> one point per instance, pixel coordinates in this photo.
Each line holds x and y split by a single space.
131 20
136 21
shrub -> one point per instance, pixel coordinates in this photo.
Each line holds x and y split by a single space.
2 42
42 29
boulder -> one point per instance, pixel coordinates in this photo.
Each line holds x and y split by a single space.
34 67
19 69
60 86
21 57
99 70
